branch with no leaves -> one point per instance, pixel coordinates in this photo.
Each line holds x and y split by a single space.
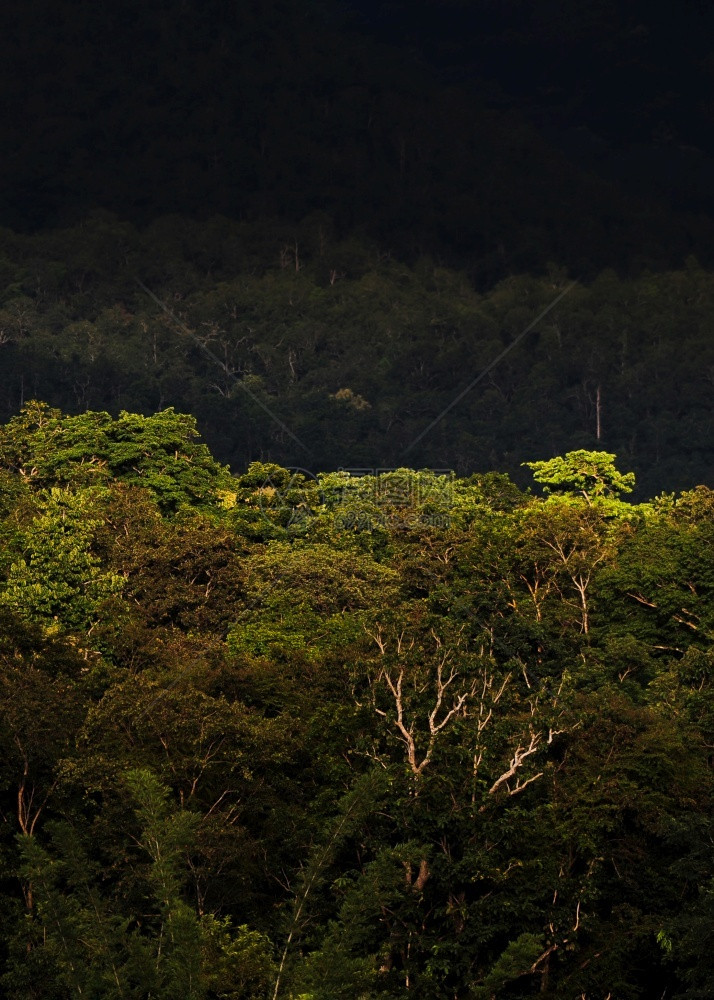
520 755
485 715
439 717
441 686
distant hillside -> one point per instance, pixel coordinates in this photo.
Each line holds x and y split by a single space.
281 109
290 344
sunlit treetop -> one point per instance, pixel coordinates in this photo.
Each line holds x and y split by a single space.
591 474
160 452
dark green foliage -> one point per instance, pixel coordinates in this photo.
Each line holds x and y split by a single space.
158 453
349 736
353 351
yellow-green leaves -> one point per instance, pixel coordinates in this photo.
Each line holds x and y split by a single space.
57 577
591 474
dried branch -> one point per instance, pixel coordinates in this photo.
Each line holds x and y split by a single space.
520 755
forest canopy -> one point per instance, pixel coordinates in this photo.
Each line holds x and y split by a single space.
291 344
356 500
273 734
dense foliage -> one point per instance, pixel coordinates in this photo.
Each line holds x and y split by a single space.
402 734
293 346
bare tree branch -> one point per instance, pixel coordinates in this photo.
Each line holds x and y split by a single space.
519 756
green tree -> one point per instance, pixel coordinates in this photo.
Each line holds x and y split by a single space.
57 577
90 945
591 474
159 452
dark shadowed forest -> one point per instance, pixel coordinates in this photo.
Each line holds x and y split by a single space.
356 510
353 736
